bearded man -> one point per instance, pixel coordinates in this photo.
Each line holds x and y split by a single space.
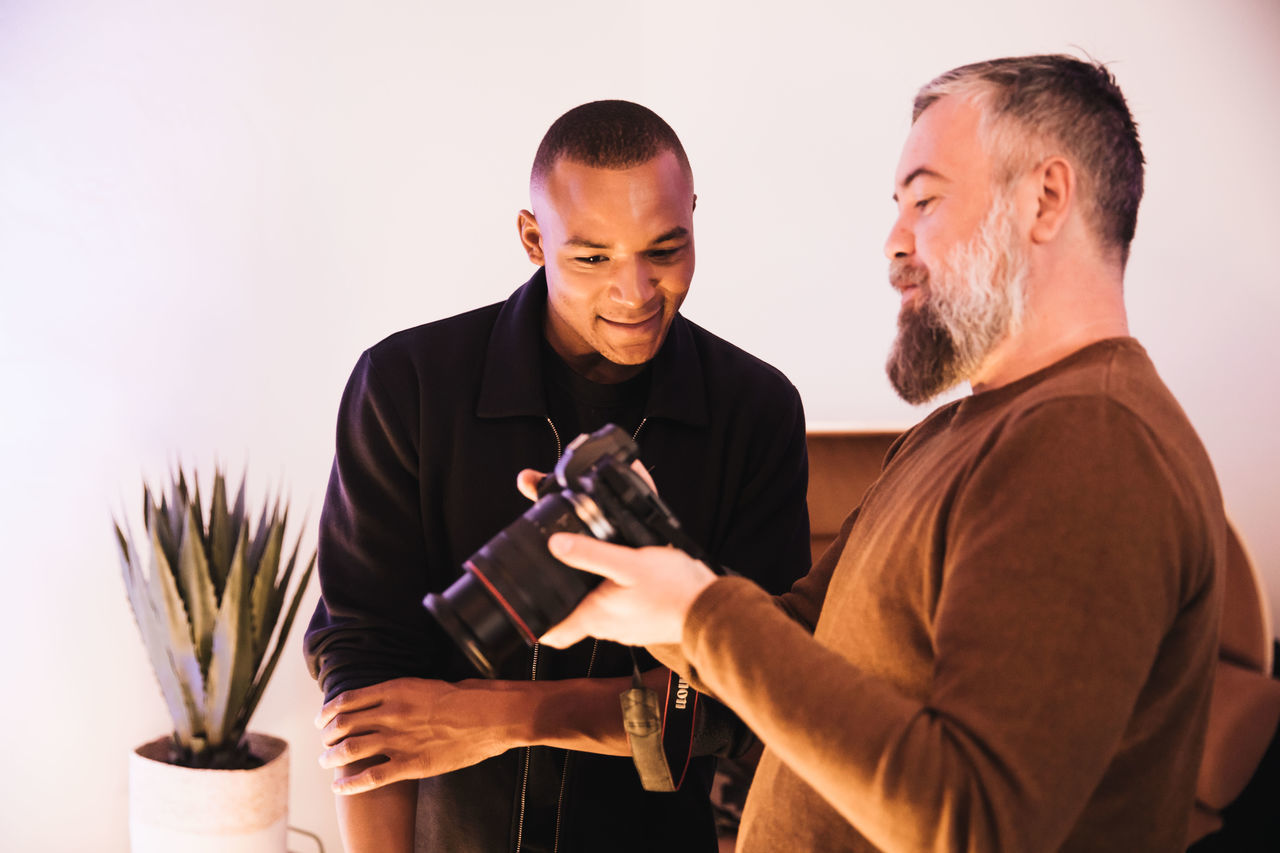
1009 646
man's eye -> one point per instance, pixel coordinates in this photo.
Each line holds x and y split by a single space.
664 254
924 202
592 259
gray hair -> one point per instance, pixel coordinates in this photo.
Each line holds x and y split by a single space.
1037 106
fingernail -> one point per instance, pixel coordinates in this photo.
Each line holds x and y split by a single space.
560 544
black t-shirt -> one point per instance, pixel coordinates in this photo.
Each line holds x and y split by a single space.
576 405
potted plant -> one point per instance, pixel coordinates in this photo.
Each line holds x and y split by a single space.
207 610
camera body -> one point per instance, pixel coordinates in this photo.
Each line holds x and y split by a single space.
513 590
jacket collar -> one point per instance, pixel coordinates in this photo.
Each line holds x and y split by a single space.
511 381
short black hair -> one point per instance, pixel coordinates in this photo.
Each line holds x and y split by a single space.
606 135
1032 104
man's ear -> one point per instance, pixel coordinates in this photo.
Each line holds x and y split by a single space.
1056 196
531 237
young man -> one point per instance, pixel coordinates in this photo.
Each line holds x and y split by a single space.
434 426
1012 639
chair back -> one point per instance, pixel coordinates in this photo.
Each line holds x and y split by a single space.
1245 709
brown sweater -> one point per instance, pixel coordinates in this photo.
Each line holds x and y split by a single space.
1012 637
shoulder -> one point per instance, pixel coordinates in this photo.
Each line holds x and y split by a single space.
1108 389
429 361
427 344
440 349
1105 428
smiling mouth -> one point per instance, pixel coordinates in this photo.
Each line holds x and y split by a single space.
633 324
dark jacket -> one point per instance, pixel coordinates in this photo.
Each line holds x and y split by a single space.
434 424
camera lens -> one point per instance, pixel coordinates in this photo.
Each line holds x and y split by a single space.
494 608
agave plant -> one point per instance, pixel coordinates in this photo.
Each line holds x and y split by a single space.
207 611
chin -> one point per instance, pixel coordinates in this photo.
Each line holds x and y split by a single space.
630 359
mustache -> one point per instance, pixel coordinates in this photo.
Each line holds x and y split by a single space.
903 273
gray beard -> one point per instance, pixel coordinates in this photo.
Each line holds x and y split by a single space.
975 302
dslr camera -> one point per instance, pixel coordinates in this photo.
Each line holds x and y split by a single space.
513 590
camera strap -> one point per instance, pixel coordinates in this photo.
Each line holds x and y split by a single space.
661 738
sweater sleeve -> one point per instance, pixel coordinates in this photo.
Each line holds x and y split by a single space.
369 625
1061 578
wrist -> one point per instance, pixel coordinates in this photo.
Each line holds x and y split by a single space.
502 713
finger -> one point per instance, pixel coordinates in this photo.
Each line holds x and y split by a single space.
351 750
577 625
348 701
615 562
639 468
374 777
354 724
527 481
563 635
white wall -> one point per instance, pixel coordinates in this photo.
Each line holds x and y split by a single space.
208 209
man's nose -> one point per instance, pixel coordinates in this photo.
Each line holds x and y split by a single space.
901 242
634 285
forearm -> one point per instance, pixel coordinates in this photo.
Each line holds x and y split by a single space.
377 821
412 728
581 714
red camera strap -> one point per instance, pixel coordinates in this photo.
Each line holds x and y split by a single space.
661 738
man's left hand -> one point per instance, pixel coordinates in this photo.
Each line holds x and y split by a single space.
423 727
643 601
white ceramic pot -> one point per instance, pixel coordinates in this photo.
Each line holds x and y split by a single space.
175 808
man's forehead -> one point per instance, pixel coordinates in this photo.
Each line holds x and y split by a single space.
663 169
576 191
943 143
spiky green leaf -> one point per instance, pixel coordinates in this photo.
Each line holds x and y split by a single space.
238 514
179 500
167 601
197 588
261 532
157 522
194 502
268 561
220 533
260 683
264 581
232 664
153 639
275 599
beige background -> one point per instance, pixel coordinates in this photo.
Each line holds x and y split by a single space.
208 209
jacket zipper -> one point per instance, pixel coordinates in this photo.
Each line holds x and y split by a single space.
533 676
528 754
564 771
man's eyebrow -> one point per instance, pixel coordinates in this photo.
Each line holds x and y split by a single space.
584 243
674 234
924 171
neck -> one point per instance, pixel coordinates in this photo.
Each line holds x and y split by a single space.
1062 317
593 366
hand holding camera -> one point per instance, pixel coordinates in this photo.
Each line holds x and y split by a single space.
643 600
515 589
